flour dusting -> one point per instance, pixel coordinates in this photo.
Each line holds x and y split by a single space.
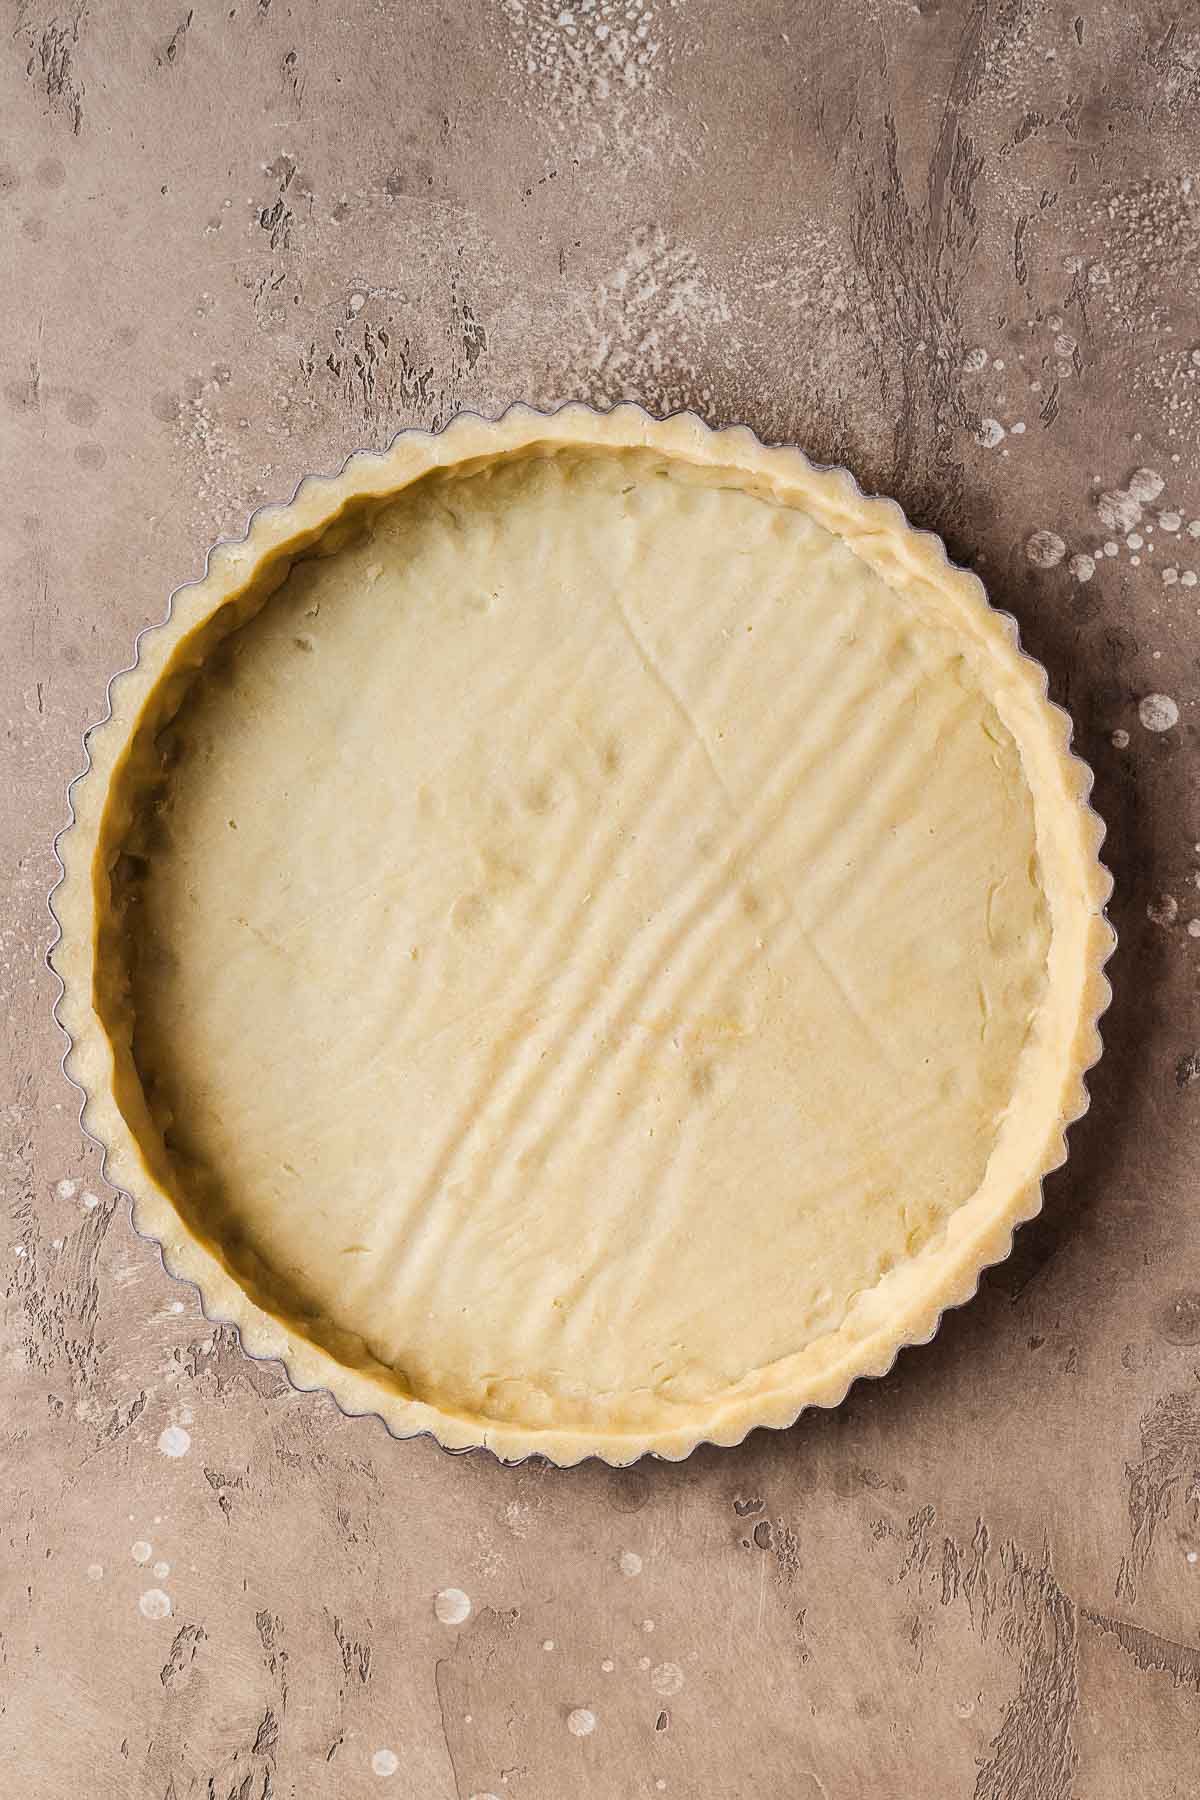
1045 549
1164 911
452 1606
1158 712
584 55
644 320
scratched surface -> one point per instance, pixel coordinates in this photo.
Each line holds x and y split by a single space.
953 245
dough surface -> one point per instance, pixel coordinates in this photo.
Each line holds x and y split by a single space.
588 934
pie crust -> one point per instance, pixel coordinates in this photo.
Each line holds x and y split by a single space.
582 934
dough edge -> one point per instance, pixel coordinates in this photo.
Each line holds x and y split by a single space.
945 1274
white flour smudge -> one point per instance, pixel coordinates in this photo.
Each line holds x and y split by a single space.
1118 510
1082 567
385 1762
175 1441
1146 485
141 1552
1164 911
645 316
161 1571
666 1679
452 1607
581 1722
95 1571
631 1562
990 433
581 56
1158 712
154 1604
1045 549
66 1188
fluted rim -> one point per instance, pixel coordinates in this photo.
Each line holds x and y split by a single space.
222 1301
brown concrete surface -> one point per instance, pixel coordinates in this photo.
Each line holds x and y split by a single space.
954 245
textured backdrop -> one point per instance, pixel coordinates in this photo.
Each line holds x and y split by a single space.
953 245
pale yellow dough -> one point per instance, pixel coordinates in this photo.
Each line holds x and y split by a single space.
601 949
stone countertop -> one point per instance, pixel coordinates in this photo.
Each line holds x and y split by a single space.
952 245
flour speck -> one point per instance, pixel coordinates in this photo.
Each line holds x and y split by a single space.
581 1722
1145 485
608 1665
154 1604
175 1441
1170 521
975 361
1164 911
66 1188
91 1201
452 1606
990 433
161 1571
141 1552
1120 739
95 1571
385 1763
1045 549
1193 928
666 1679
1158 712
1119 510
1082 567
631 1562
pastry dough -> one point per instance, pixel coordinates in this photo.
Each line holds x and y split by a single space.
582 934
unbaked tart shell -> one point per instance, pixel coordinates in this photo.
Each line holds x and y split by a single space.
581 934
